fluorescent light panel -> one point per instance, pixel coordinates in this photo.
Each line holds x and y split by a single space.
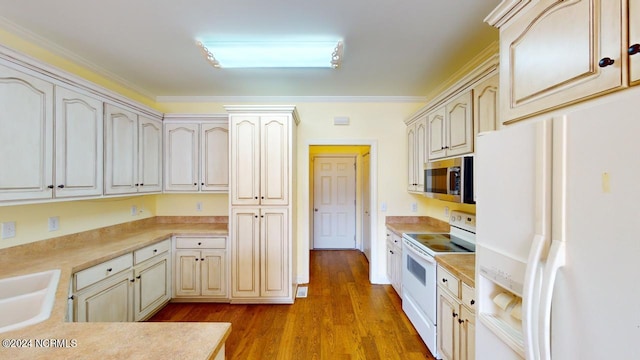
270 54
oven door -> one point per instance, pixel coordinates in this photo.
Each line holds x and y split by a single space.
419 278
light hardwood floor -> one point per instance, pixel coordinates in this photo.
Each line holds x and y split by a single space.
343 317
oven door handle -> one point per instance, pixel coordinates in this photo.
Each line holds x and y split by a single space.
414 250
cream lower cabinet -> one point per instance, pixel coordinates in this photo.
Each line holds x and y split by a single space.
634 42
119 291
261 255
455 317
200 267
394 261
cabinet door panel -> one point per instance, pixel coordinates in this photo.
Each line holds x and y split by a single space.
459 125
215 157
411 153
436 124
485 105
214 282
447 326
245 244
245 160
108 301
421 153
181 153
634 38
275 274
187 272
274 160
79 151
122 150
150 155
26 138
467 335
574 36
152 287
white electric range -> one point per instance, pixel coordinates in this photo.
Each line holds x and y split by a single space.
419 271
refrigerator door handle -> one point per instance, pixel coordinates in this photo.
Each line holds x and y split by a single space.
531 297
555 261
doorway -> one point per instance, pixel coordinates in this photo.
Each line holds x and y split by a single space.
334 201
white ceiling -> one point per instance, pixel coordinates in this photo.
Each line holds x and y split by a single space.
391 48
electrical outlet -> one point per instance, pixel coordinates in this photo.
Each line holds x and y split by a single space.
134 210
446 211
8 229
199 206
414 207
54 223
383 206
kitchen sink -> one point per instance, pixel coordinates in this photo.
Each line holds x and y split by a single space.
27 299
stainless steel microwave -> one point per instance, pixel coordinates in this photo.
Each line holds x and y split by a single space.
450 180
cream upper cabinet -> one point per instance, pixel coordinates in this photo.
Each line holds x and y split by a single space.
451 128
78 144
485 105
197 154
133 152
214 145
557 52
182 170
417 153
260 160
149 155
26 138
634 41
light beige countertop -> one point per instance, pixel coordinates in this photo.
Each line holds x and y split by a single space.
107 340
415 224
463 266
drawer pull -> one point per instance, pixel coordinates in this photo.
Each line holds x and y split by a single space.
109 269
155 251
604 62
199 243
634 49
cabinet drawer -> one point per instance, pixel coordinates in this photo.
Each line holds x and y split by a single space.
201 242
448 281
468 296
150 251
102 271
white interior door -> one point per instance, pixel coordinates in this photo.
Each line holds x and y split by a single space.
366 206
334 202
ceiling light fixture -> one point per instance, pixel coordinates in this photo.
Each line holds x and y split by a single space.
272 54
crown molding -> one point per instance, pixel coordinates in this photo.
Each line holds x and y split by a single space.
65 53
27 64
176 117
290 99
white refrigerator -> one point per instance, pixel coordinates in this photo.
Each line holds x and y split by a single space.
558 235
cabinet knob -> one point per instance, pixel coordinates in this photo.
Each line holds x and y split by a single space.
195 184
61 186
71 297
460 321
137 184
316 210
634 49
155 251
199 243
472 302
444 280
604 62
454 315
201 259
261 216
197 259
138 277
141 184
202 184
262 197
50 186
446 147
109 269
391 251
132 280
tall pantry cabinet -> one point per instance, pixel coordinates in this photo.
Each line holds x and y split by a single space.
262 197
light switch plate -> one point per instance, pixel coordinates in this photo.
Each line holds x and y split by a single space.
199 206
134 210
8 229
414 207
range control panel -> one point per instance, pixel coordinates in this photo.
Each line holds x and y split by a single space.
463 220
